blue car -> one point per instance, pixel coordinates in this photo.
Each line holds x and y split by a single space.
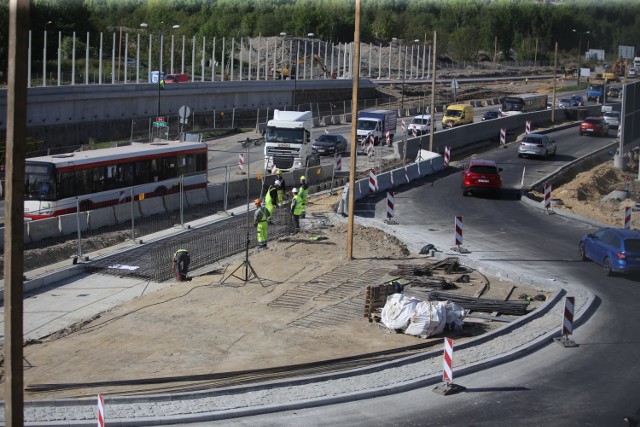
616 250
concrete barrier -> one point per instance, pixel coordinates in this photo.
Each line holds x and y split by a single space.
101 218
384 182
215 193
25 235
44 229
399 177
316 122
122 212
152 206
335 120
69 223
197 197
171 202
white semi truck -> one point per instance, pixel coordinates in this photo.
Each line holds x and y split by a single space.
287 141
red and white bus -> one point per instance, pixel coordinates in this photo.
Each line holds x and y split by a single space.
56 184
525 103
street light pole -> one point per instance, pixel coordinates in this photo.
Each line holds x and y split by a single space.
580 33
44 55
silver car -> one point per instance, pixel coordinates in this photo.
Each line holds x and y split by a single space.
537 145
612 118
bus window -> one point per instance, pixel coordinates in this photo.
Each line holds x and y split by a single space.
125 175
142 172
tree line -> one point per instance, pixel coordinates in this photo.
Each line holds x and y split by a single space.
467 29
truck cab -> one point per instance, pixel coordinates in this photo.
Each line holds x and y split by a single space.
288 141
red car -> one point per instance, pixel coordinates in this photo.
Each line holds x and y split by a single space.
482 176
176 78
594 126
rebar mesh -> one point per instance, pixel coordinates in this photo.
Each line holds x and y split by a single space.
206 246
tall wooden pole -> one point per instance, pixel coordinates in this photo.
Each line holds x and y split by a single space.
555 79
354 120
14 211
433 95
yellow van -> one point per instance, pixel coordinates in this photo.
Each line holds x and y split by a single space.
456 115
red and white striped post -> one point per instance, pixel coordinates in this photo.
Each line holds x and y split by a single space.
503 136
387 136
627 218
527 128
326 131
338 162
403 126
390 206
373 181
241 164
458 226
619 130
447 372
100 411
547 196
273 169
447 155
567 323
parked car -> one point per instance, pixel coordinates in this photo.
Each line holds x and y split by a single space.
564 103
482 176
614 92
490 115
577 101
328 144
594 126
420 124
616 250
176 78
612 118
536 144
632 73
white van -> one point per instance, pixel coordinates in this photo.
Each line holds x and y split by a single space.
420 125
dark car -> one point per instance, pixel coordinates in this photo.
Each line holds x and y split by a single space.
328 144
594 126
617 250
614 92
176 78
482 176
577 101
490 115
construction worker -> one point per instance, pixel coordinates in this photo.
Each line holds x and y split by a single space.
283 186
296 209
260 221
181 260
271 198
303 191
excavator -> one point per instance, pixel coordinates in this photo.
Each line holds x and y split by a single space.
283 72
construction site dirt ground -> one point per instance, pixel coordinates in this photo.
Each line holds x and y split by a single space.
206 326
307 306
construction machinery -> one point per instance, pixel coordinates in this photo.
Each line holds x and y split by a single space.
284 72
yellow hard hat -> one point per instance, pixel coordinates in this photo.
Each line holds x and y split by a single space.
302 178
257 202
278 172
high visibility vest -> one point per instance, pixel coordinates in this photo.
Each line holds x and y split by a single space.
264 212
267 198
303 193
296 205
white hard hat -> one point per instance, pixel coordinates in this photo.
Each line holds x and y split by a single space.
277 183
295 190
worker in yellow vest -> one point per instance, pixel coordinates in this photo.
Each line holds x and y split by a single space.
303 191
296 209
283 186
260 219
181 260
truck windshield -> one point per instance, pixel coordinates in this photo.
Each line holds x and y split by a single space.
453 113
284 135
367 124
